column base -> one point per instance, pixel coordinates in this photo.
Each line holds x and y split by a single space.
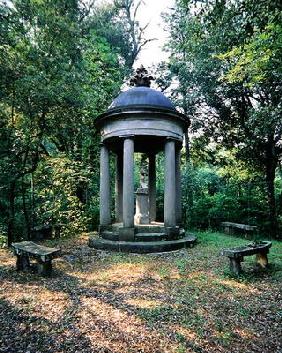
126 233
143 247
103 228
172 233
141 219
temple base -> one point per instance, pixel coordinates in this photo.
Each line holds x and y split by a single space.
147 238
142 247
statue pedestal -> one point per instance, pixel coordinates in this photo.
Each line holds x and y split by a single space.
142 206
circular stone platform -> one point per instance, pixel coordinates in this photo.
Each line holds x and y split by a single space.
142 247
147 239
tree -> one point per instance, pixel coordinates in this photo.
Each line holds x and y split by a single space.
57 73
123 31
226 57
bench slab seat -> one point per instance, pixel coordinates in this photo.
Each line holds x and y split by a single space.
230 227
236 255
42 254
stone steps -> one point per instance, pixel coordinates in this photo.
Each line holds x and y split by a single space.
109 235
143 247
149 229
150 236
143 233
140 228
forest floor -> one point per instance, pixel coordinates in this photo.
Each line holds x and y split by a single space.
184 301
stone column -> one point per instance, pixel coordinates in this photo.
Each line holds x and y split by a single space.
118 187
178 204
128 182
169 191
105 195
152 187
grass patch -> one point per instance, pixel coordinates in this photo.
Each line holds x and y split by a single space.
172 302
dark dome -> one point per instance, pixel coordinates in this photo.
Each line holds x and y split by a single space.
142 96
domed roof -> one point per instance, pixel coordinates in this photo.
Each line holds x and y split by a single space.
142 96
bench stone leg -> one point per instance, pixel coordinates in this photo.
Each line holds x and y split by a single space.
262 260
22 263
19 265
235 266
44 268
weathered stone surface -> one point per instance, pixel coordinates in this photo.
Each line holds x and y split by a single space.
110 235
262 260
172 232
44 268
169 192
126 233
178 205
141 78
31 248
22 263
150 236
150 228
229 227
43 255
235 266
142 207
247 250
140 123
105 195
152 188
142 247
128 183
119 187
236 255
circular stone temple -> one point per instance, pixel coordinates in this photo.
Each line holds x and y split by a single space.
141 120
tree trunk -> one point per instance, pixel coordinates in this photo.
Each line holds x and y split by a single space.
11 219
270 168
25 211
187 148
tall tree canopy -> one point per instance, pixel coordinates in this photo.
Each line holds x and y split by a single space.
226 57
58 71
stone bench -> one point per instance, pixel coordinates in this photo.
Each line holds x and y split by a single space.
236 255
42 254
229 227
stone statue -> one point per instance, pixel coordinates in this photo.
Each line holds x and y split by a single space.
141 78
144 173
142 195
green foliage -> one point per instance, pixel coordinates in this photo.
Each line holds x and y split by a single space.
213 195
226 57
60 186
57 73
255 62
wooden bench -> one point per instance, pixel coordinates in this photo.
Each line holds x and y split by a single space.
236 255
229 227
44 255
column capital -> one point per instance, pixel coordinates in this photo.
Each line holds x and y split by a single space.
171 139
131 137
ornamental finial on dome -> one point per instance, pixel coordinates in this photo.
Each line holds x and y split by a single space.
141 78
